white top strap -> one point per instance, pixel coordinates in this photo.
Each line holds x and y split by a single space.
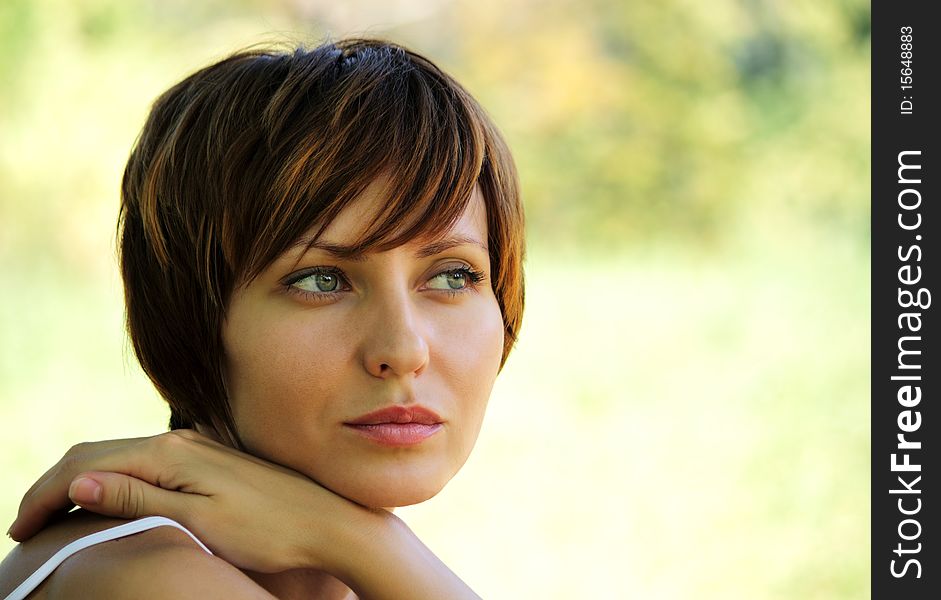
105 535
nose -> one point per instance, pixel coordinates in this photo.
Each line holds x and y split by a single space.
394 342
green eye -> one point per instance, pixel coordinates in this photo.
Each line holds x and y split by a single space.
455 279
318 282
461 279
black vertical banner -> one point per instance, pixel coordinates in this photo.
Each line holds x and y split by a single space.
906 164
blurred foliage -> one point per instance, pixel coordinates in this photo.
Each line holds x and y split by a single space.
639 121
696 179
631 121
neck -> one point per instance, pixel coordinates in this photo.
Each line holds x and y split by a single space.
296 583
303 583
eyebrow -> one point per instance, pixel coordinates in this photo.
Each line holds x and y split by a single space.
435 247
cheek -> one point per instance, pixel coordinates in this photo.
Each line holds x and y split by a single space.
468 357
278 370
467 342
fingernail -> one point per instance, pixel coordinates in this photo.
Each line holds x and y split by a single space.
85 491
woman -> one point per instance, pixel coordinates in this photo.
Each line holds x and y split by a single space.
322 257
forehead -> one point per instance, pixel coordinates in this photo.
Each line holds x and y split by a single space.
353 220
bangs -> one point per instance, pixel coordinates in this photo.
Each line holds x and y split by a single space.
349 116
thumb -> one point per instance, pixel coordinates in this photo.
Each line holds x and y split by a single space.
118 495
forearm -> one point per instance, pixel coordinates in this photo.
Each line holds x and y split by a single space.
385 560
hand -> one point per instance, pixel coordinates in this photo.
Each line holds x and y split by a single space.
250 512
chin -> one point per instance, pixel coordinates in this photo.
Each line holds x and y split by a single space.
390 500
376 493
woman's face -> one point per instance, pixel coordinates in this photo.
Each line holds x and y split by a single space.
308 351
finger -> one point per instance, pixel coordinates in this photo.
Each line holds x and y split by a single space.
119 495
36 510
38 507
154 459
49 496
85 449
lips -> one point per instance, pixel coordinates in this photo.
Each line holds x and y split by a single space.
398 426
399 414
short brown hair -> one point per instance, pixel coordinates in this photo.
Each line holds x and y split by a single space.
239 159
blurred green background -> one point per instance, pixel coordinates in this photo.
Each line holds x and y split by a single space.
687 412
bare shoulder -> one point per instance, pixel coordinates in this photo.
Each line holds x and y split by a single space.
158 563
